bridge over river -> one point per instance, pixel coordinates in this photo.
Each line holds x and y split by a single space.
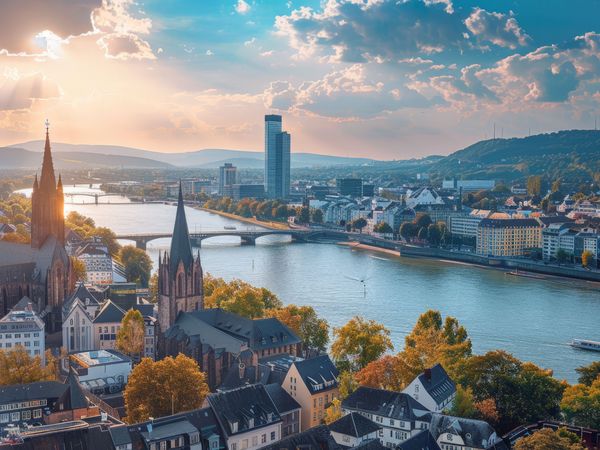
248 237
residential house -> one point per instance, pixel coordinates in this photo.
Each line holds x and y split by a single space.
353 429
315 438
23 327
434 389
247 416
508 237
398 414
423 440
289 410
313 383
101 371
100 267
78 315
423 196
106 325
457 433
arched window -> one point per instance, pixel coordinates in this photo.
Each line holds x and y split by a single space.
180 285
197 281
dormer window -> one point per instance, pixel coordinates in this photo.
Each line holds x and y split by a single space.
251 422
233 426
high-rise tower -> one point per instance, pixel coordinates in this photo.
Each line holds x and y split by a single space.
47 203
277 158
179 274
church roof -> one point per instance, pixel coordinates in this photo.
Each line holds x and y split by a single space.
47 180
181 248
14 253
73 397
109 313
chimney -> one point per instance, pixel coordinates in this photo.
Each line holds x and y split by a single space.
241 368
427 374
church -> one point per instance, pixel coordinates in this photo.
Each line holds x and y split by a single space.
42 269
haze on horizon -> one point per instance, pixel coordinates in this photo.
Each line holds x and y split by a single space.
375 78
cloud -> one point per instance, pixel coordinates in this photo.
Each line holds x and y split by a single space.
464 91
499 29
22 20
357 31
20 91
125 46
242 7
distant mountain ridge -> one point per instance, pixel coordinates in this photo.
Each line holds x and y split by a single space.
206 158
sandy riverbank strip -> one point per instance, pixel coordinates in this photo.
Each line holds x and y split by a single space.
358 245
249 220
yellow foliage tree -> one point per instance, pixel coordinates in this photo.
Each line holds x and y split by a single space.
303 320
333 412
18 367
547 439
165 387
581 404
130 338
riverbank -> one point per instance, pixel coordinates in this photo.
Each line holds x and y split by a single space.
372 248
250 220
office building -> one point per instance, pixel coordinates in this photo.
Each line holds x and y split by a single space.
277 158
227 178
240 191
352 187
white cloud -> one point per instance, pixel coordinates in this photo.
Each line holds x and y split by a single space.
19 91
209 52
242 7
499 29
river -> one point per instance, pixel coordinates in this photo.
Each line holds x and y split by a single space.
533 319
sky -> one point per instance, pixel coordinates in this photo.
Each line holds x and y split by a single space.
387 79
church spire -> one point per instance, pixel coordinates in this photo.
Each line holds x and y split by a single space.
181 248
47 180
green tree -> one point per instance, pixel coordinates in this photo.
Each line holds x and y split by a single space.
534 185
303 215
79 269
562 256
383 228
317 215
130 338
581 404
464 404
165 387
359 342
547 439
153 288
523 392
588 374
587 258
359 224
137 263
346 384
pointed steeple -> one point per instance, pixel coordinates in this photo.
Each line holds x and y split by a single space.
47 180
35 183
181 248
59 186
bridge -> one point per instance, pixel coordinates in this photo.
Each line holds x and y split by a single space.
248 237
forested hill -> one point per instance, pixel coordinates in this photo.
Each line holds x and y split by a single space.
573 155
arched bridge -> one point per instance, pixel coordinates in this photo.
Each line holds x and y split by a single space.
248 237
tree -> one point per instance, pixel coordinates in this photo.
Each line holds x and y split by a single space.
581 404
137 263
422 221
383 228
18 367
407 230
381 374
238 297
346 384
562 255
587 258
464 403
303 320
79 269
588 374
547 439
359 224
556 185
165 387
317 215
433 234
108 238
359 342
534 185
153 288
523 392
333 412
303 215
130 338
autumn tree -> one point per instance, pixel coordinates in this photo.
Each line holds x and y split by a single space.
333 412
522 392
588 374
534 185
165 387
547 439
581 404
587 258
383 228
359 224
130 338
153 288
137 263
359 342
303 214
108 238
79 269
464 404
382 374
408 230
18 367
303 320
346 384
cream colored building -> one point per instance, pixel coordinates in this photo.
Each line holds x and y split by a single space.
313 384
508 237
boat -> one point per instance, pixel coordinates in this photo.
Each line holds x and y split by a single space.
229 227
585 344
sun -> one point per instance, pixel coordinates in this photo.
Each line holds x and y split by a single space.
49 43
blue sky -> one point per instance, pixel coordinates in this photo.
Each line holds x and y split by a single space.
381 78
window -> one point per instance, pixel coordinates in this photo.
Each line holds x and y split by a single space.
4 418
15 417
37 413
26 415
194 438
163 445
233 446
263 439
244 445
272 435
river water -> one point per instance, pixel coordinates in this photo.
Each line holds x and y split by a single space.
533 319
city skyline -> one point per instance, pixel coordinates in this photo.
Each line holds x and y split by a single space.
166 76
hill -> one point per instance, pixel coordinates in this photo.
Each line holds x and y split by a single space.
573 155
207 158
18 158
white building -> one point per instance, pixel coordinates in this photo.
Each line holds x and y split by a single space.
423 196
77 320
434 389
100 267
466 225
101 370
23 327
353 429
457 433
469 185
557 236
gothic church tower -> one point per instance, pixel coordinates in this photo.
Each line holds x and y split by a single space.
179 274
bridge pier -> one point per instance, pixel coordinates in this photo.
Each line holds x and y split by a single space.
248 240
141 244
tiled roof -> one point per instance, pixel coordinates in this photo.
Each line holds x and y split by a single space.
475 433
395 405
31 391
437 383
281 399
355 425
420 441
109 313
509 223
319 374
316 438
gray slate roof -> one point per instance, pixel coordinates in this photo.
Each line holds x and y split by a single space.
475 433
109 313
421 441
395 405
316 372
437 383
31 391
355 425
316 438
281 399
181 248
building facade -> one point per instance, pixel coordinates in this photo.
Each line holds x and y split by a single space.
508 237
23 327
277 158
352 187
179 274
227 178
434 389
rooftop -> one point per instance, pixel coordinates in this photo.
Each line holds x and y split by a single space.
99 357
355 425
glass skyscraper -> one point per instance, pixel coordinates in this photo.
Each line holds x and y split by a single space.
277 158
